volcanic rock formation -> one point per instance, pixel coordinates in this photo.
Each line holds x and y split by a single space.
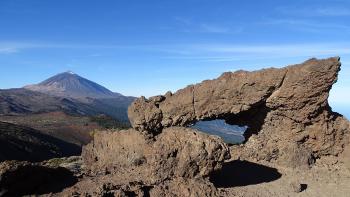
177 157
286 110
176 152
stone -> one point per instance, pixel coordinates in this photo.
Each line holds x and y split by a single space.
285 109
176 152
177 162
298 187
145 121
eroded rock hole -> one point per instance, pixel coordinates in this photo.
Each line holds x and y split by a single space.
231 134
236 128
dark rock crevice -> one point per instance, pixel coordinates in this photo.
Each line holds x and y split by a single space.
193 101
254 118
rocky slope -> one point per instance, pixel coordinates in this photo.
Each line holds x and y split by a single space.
73 129
27 144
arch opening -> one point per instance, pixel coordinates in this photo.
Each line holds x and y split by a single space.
231 134
235 128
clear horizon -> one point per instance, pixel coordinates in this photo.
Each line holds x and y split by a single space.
148 48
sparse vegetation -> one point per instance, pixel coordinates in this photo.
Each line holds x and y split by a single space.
73 129
108 122
55 162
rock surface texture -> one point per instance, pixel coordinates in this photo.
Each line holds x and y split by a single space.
286 110
177 157
176 152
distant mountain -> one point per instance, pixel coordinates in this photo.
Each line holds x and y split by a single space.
66 92
24 143
69 84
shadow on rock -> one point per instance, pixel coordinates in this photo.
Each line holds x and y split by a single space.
28 180
243 173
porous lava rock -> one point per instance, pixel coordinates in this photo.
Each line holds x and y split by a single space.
177 162
286 110
176 152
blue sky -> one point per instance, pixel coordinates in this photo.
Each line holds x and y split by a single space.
148 47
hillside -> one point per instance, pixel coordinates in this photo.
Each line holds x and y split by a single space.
69 128
22 101
24 143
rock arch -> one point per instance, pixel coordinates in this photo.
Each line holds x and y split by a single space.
286 110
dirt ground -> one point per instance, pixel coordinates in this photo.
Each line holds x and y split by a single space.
329 177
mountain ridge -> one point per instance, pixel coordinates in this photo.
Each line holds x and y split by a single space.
69 84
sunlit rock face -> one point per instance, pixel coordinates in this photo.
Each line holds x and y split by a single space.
178 156
176 152
286 110
231 134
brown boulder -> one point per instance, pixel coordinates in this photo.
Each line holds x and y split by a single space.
176 152
177 162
